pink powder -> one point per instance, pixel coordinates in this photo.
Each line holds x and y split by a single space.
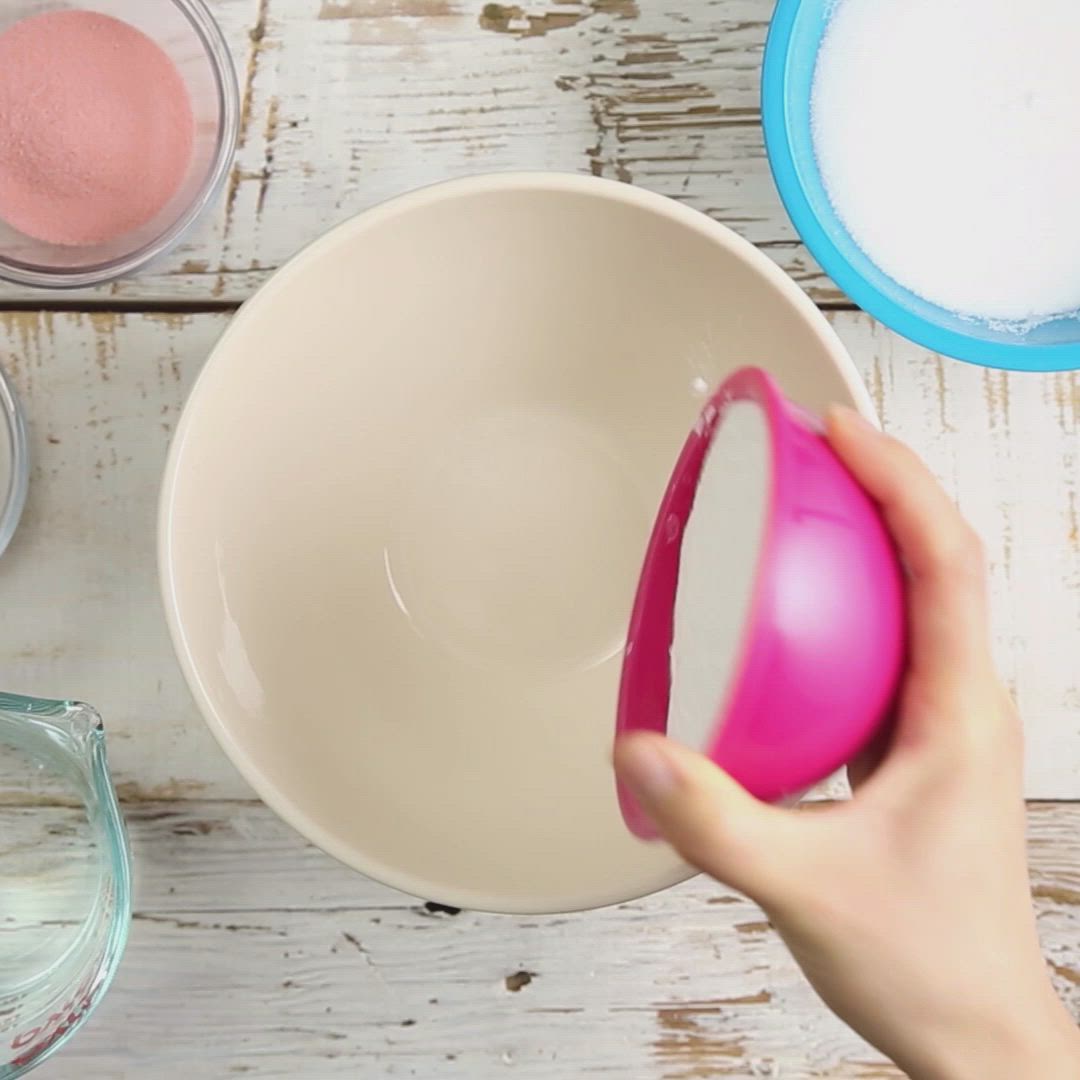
96 128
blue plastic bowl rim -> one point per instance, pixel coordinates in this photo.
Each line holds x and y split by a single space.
1063 356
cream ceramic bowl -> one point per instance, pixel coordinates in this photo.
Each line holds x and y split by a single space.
406 507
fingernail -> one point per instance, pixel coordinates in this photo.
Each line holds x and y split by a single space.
646 768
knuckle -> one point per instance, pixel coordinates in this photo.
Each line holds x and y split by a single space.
973 724
715 848
903 453
992 731
905 460
1011 725
962 553
703 841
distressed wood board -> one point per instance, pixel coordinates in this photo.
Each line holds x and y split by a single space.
348 102
252 954
104 391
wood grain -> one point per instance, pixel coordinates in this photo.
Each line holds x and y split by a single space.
104 391
348 102
254 954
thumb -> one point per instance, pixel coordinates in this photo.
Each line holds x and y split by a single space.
710 819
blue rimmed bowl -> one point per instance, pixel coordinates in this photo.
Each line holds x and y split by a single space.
791 52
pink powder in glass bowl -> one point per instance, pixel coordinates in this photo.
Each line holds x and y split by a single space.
118 127
96 128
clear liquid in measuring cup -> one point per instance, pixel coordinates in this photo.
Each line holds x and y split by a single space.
50 872
51 868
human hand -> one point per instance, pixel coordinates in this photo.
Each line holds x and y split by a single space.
908 907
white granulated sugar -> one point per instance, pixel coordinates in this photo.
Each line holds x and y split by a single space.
947 133
717 566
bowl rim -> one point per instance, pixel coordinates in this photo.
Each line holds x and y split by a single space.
645 684
210 34
13 422
746 385
775 120
546 182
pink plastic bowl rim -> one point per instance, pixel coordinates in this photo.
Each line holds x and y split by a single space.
646 684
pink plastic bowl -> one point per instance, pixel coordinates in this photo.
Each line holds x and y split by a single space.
823 647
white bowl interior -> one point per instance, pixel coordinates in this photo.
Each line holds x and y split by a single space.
715 592
407 506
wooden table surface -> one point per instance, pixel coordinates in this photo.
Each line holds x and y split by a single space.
252 954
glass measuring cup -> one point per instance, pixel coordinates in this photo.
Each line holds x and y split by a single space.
65 876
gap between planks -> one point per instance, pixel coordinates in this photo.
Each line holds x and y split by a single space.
86 306
198 307
15 801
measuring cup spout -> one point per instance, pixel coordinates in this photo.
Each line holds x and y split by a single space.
71 728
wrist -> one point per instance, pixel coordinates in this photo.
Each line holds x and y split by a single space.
1043 1044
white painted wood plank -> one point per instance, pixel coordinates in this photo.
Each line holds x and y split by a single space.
82 616
349 102
240 964
254 955
1007 447
103 393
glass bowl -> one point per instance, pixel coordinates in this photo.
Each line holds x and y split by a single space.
14 461
795 36
187 32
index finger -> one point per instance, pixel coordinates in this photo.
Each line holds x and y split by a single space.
947 608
